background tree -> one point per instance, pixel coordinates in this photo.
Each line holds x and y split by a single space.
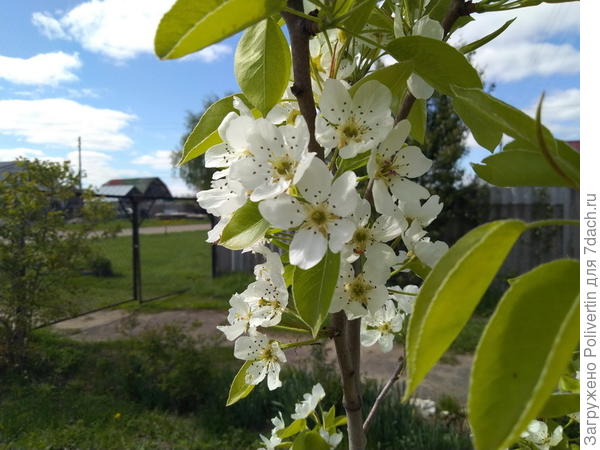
40 250
194 174
465 200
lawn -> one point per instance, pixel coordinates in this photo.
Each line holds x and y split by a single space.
170 262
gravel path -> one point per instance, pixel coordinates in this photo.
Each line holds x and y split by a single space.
450 379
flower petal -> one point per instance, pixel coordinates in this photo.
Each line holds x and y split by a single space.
282 212
384 203
335 102
315 184
343 198
419 87
403 188
413 163
340 232
307 248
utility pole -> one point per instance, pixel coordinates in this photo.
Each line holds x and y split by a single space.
79 151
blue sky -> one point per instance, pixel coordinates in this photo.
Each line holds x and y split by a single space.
70 68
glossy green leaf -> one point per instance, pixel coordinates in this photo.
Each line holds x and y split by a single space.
313 290
559 405
311 440
191 25
245 227
418 120
239 389
198 141
523 352
295 427
202 147
359 17
568 383
484 40
393 77
262 64
288 274
437 62
357 162
329 419
518 167
418 268
487 134
451 292
496 115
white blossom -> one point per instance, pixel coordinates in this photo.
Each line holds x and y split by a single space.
311 399
321 217
277 158
266 356
381 326
425 213
430 28
353 124
405 302
391 165
224 197
234 131
240 319
369 238
333 439
363 293
537 434
425 407
416 243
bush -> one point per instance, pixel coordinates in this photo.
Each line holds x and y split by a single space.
178 383
101 266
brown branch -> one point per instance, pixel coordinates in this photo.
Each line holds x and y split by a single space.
395 377
352 399
301 30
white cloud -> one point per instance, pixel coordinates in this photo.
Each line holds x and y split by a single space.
560 113
159 160
43 69
99 167
209 54
524 59
525 49
10 154
59 121
48 25
538 23
118 29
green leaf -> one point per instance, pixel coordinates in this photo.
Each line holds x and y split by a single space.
568 383
437 62
451 292
518 167
497 115
357 20
245 227
262 64
198 141
288 274
357 162
329 419
191 25
418 268
239 389
524 350
559 405
295 427
418 120
485 133
484 40
394 77
311 440
209 141
313 290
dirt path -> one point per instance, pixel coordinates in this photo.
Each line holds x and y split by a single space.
449 379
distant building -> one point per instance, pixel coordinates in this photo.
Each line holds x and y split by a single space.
136 187
149 187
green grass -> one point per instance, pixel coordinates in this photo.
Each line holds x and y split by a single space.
170 262
167 390
126 223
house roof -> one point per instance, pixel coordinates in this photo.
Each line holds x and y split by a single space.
142 184
7 167
123 190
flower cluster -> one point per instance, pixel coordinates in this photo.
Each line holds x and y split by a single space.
361 201
325 424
